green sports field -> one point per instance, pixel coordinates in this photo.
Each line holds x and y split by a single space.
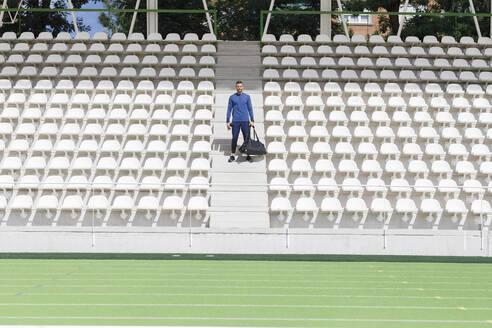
245 293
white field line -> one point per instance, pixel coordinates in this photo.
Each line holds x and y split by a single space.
247 319
396 280
250 287
107 326
211 260
17 294
325 275
307 267
294 306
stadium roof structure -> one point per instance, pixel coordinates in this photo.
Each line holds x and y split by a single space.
152 17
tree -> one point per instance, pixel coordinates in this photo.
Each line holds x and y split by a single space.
421 26
456 26
168 22
240 19
36 22
236 19
386 25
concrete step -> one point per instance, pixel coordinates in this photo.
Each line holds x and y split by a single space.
221 132
237 45
226 43
241 51
239 219
252 200
249 83
232 61
246 177
237 73
238 194
240 165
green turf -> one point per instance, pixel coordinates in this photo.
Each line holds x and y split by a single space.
245 293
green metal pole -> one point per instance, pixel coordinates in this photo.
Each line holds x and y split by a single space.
281 12
215 23
313 12
261 28
189 11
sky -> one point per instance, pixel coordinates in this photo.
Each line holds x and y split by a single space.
91 18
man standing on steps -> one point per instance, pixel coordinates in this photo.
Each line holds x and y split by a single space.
242 117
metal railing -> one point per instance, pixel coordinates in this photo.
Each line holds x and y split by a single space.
264 28
95 218
161 184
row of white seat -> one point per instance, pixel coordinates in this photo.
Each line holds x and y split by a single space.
123 204
95 49
378 64
414 103
345 151
63 165
104 86
400 187
113 131
25 132
73 130
279 185
358 117
10 116
108 60
377 51
124 72
113 146
384 75
381 206
19 100
428 40
470 136
451 90
449 122
102 36
127 183
392 167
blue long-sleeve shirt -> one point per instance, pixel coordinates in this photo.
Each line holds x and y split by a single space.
240 107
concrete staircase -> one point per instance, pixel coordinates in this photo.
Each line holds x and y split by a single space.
239 195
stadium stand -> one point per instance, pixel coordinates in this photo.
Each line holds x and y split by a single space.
378 134
116 130
360 133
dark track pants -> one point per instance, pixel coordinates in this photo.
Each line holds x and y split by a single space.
244 126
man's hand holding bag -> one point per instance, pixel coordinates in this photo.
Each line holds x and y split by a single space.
253 146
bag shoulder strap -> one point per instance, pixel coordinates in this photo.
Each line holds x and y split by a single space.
254 131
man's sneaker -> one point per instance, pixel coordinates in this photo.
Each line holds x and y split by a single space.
231 159
249 159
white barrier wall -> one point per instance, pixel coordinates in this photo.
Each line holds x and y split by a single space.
272 241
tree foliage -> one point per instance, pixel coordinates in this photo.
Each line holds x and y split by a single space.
420 26
37 22
456 26
386 24
168 22
236 19
240 19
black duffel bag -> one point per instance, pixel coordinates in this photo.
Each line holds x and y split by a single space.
253 146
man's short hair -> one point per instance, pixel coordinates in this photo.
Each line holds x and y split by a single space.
239 82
